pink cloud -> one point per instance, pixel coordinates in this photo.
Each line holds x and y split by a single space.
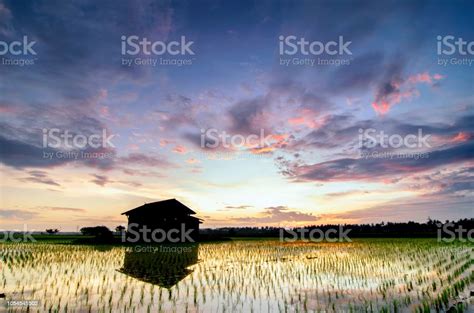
306 118
180 149
462 136
398 90
424 78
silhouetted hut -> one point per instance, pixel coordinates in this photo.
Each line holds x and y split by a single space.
165 215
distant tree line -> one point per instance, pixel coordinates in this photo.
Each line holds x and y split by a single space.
431 228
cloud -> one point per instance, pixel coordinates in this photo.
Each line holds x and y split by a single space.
278 214
18 214
333 131
247 116
18 154
192 161
338 134
180 149
141 159
350 169
364 70
404 210
462 136
65 209
5 20
100 180
144 173
39 177
238 207
23 136
346 193
394 89
101 220
457 182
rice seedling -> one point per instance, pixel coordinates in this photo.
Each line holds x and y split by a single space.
376 275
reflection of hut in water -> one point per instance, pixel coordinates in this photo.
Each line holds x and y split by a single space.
165 266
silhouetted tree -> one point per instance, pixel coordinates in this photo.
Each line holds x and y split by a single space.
52 231
101 233
120 228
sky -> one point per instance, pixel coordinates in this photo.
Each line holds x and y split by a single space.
245 70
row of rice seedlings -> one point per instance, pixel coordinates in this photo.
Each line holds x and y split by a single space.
242 276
